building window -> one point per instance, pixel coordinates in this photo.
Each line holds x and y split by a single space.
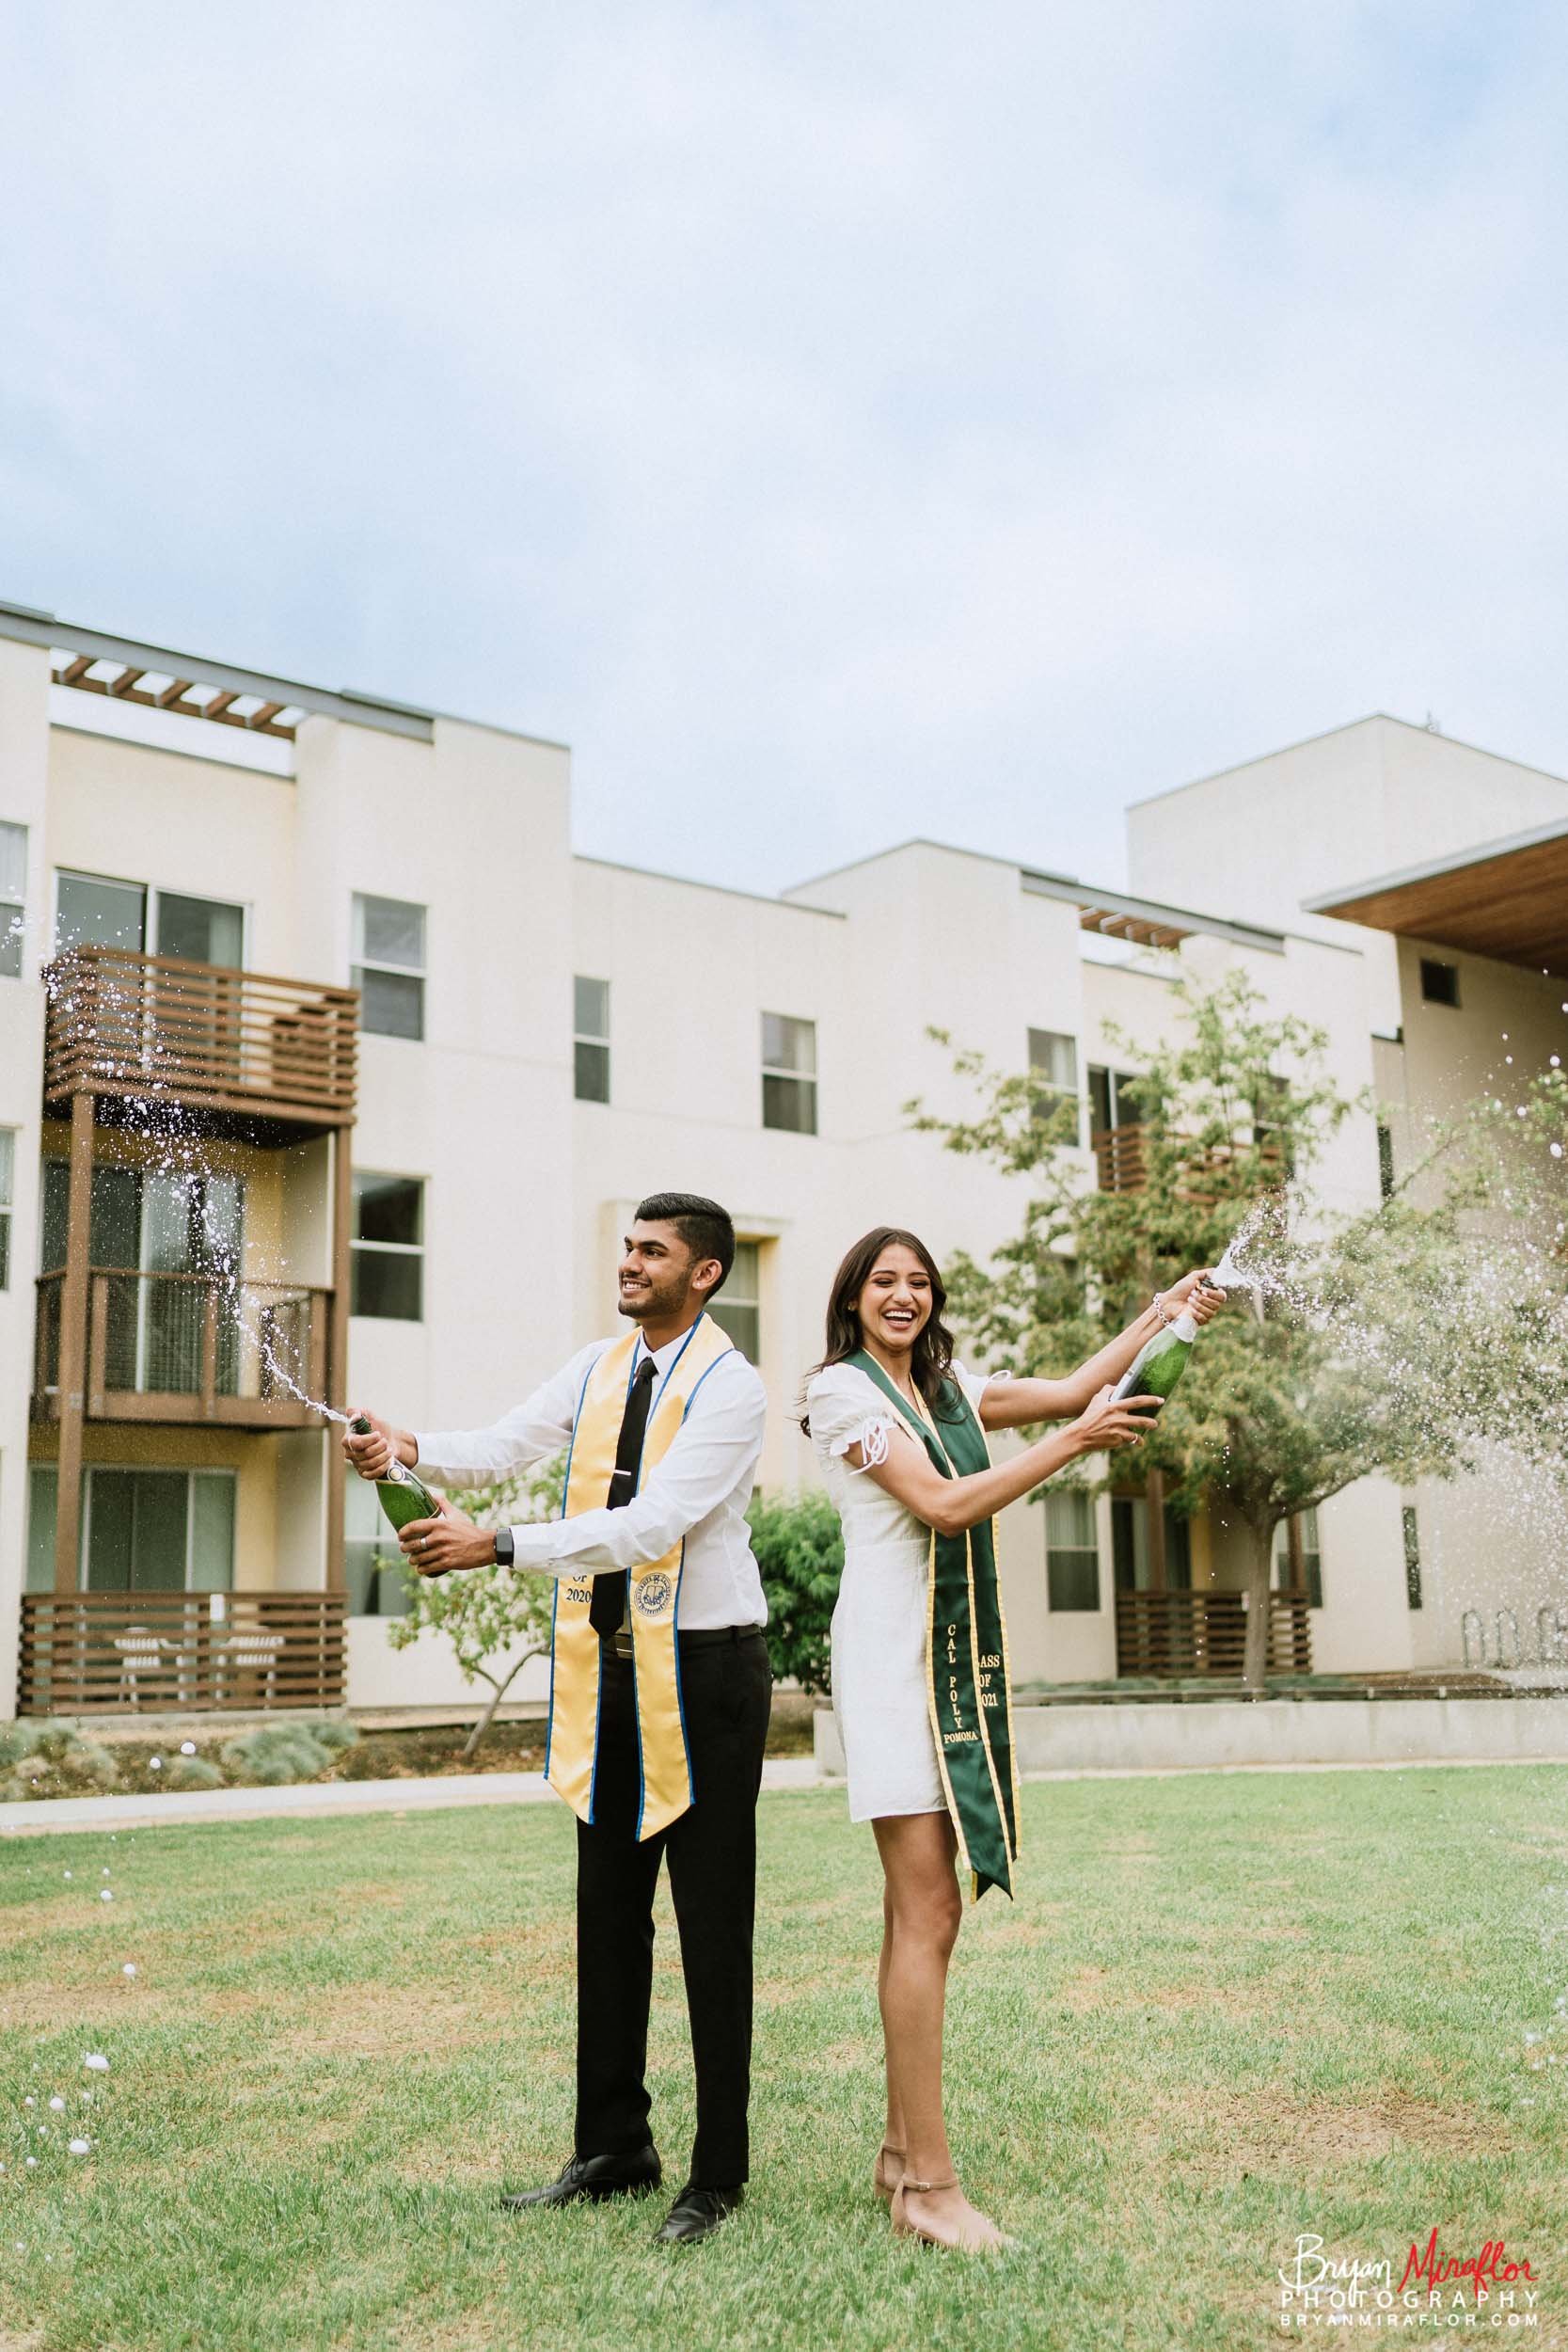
737 1309
388 965
1311 1559
208 931
93 911
1386 1161
1130 1547
1053 1074
42 1496
372 1565
1112 1099
1440 982
1072 1550
389 1247
1115 1138
90 910
143 1531
13 898
590 1039
7 1180
1412 1556
789 1073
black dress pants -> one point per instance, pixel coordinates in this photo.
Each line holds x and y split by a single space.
727 1690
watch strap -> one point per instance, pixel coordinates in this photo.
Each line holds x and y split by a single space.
506 1550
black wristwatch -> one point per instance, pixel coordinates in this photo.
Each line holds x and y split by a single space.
505 1549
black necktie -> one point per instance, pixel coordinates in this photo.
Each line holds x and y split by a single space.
609 1605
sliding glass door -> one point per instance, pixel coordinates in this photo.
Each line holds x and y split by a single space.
143 1531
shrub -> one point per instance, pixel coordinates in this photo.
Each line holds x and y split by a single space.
185 1772
52 1759
273 1755
799 1549
332 1732
17 1740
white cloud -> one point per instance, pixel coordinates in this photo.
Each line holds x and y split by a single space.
835 423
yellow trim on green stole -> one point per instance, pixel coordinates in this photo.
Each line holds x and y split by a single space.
653 1593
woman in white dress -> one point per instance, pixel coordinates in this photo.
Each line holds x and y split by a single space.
885 1409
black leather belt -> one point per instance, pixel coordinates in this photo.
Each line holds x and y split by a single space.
618 1644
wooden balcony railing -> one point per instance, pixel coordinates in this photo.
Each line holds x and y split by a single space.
1118 1153
161 1027
1121 1164
1205 1633
115 1653
181 1347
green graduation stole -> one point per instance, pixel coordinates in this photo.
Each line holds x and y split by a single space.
653 1593
966 1651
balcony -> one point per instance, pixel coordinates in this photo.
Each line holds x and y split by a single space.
179 1348
189 1653
271 1061
1121 1164
1205 1633
1119 1158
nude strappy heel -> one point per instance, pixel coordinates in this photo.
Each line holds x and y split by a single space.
879 2181
906 2224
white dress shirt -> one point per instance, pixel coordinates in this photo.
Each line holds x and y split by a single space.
699 1490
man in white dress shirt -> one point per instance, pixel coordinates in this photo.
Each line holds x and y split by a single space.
692 1503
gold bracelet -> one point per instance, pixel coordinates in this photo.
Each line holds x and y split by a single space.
1160 1312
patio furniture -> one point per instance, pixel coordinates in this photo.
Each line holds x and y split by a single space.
141 1654
254 1653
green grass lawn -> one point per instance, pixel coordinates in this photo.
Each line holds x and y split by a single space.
1224 2011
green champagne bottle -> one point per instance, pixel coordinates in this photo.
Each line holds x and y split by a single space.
403 1496
1158 1364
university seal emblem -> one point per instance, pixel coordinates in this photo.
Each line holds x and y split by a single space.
652 1593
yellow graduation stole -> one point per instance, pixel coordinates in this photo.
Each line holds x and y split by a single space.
653 1593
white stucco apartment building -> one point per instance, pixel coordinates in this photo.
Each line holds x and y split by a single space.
424 1184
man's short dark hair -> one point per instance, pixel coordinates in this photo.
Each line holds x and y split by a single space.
708 1231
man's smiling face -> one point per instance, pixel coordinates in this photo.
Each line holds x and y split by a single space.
659 1275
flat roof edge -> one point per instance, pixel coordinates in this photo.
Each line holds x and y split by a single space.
725 890
1480 854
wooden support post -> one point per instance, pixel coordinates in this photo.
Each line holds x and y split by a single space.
1296 1552
208 1351
98 1340
1154 1531
1297 1626
73 1346
337 1393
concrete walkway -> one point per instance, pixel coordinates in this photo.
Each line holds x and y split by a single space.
315 1799
312 1798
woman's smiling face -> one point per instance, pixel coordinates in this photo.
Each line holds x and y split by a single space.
894 1304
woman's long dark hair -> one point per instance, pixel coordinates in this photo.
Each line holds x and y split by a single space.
932 1354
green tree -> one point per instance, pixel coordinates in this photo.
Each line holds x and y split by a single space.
496 1619
799 1549
1336 1376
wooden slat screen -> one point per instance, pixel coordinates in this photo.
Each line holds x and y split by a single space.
1121 1164
1205 1633
164 1026
123 1653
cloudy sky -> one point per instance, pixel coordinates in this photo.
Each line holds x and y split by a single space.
836 422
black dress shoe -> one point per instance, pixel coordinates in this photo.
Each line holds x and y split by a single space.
697 2212
591 2180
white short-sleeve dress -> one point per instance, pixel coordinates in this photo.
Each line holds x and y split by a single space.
878 1630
